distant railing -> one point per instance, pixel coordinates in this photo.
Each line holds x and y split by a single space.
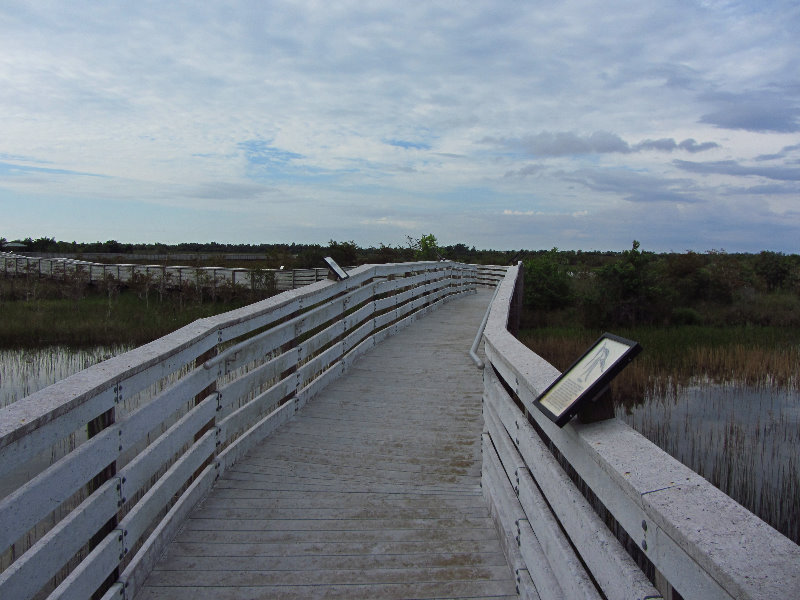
149 431
490 275
171 277
674 530
278 280
156 256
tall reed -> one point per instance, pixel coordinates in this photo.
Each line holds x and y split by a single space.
44 315
755 356
722 401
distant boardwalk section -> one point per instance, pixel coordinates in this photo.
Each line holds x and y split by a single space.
176 276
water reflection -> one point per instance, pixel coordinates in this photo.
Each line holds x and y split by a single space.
23 372
742 439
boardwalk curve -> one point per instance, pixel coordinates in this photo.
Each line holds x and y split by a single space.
371 491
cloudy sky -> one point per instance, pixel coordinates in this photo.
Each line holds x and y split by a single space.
500 124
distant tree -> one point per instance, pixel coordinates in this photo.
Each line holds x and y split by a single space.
773 268
344 253
42 244
458 252
307 256
686 277
547 282
424 247
625 293
112 246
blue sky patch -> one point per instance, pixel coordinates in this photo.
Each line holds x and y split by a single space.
260 152
408 145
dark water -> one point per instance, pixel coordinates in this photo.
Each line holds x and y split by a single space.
744 440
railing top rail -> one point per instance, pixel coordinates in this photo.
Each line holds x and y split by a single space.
741 553
21 417
115 446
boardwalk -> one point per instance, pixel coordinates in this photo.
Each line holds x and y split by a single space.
372 491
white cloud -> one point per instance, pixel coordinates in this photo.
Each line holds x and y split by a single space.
356 121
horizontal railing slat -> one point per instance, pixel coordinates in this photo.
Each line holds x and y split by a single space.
616 572
87 577
309 336
146 510
504 508
144 560
535 559
248 383
241 418
563 561
309 391
255 434
138 424
691 532
319 363
147 463
24 449
319 316
35 568
25 507
321 339
357 335
359 316
129 373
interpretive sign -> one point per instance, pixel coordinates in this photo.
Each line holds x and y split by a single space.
336 269
587 378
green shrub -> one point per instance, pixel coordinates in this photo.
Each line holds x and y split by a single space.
547 283
686 316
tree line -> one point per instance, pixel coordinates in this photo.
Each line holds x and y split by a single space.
562 287
640 288
289 256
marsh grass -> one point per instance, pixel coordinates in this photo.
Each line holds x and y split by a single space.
40 313
753 356
742 439
723 401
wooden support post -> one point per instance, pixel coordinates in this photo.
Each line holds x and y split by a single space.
93 428
515 310
209 389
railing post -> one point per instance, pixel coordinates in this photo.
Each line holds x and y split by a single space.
515 310
208 390
93 428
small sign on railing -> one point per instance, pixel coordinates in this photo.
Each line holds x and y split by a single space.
587 378
338 271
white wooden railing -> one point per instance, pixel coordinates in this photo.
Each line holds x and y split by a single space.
678 531
490 275
149 431
169 276
178 276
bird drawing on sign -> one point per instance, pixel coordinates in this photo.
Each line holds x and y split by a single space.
597 361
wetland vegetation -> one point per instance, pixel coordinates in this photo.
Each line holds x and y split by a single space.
717 385
38 312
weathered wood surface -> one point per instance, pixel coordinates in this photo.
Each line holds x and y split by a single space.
371 491
699 542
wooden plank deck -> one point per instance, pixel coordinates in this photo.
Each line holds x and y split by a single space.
372 491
